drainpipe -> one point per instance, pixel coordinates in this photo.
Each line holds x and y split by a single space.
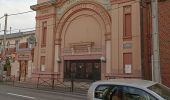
142 38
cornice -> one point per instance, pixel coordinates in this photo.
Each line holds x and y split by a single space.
45 4
42 17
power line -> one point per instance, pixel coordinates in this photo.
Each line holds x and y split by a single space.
2 17
20 13
64 21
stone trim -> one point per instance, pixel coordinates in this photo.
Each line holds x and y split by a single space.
119 1
45 16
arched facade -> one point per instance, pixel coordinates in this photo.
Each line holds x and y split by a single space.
88 39
82 35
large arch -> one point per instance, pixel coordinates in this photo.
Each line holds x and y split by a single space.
95 12
90 6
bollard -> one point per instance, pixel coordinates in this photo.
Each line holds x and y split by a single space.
52 83
72 81
38 81
13 80
72 85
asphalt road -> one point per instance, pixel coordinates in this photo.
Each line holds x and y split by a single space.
15 93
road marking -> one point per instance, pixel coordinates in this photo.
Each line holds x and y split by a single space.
21 95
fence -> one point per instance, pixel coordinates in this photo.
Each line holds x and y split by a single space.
46 83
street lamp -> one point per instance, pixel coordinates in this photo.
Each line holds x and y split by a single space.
102 59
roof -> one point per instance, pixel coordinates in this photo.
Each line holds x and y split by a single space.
44 4
127 82
16 35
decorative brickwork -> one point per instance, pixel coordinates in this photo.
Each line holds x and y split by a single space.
164 30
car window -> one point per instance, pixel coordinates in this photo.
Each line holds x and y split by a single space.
130 93
104 92
113 92
161 90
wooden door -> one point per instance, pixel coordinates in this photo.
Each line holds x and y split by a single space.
23 70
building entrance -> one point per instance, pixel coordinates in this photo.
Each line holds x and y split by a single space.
23 70
83 69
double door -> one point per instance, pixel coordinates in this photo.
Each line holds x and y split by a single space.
83 69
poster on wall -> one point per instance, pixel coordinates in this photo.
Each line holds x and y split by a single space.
42 68
128 68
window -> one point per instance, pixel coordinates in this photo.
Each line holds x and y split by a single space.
130 93
107 92
42 65
101 91
17 44
161 90
127 35
44 34
115 92
23 45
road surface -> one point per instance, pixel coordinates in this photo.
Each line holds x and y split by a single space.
16 93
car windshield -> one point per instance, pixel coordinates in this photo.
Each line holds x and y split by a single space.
161 90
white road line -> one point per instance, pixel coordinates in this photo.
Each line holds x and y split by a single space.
23 96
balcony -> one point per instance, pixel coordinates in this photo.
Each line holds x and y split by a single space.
80 51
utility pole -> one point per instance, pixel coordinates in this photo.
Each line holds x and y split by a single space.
0 27
156 75
10 29
0 43
5 31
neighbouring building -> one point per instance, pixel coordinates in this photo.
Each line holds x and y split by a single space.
164 30
164 35
97 39
20 54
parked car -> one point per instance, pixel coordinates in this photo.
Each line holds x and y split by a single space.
128 89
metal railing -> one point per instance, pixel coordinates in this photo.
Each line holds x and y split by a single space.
48 83
9 80
82 50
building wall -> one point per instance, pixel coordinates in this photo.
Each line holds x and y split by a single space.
86 22
164 30
48 50
118 41
163 25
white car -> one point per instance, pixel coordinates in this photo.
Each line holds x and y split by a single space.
128 89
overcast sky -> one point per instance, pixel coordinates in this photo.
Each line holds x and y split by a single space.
19 21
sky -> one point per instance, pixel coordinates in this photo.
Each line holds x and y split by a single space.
17 22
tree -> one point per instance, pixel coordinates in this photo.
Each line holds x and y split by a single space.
7 66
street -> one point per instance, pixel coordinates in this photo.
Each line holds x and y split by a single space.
16 93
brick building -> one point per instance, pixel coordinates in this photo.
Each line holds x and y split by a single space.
164 30
97 39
